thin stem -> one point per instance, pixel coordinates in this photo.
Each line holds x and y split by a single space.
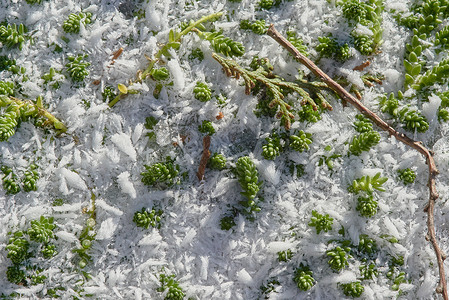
141 75
417 145
41 112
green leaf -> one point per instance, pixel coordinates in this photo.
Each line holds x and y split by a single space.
416 70
171 36
412 57
122 88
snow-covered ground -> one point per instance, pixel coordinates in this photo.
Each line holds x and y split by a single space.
105 150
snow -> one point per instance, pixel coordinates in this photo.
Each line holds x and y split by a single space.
102 157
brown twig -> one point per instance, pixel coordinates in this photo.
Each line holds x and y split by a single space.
417 145
204 158
362 66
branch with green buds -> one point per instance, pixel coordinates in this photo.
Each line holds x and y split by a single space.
18 110
275 85
174 42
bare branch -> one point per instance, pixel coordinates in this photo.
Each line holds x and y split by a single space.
417 145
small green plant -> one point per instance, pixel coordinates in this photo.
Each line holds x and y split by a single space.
202 92
328 46
297 42
285 255
6 88
272 148
321 222
41 230
30 179
338 258
9 179
363 124
407 175
74 21
15 274
368 272
364 142
266 4
108 93
247 176
175 292
206 127
6 63
301 141
162 172
309 114
258 26
17 248
366 206
353 289
269 287
304 278
411 119
48 251
77 67
12 35
368 184
367 245
227 222
34 1
196 54
217 161
145 218
159 74
222 44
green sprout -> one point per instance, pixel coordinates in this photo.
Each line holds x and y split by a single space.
227 222
338 258
367 245
248 177
364 142
108 93
366 206
217 161
272 148
206 127
74 21
17 248
15 274
41 230
353 289
304 278
285 255
301 141
368 184
77 67
297 42
12 35
30 179
163 172
328 46
10 184
6 88
407 176
175 292
159 74
202 92
145 218
368 272
321 222
48 251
